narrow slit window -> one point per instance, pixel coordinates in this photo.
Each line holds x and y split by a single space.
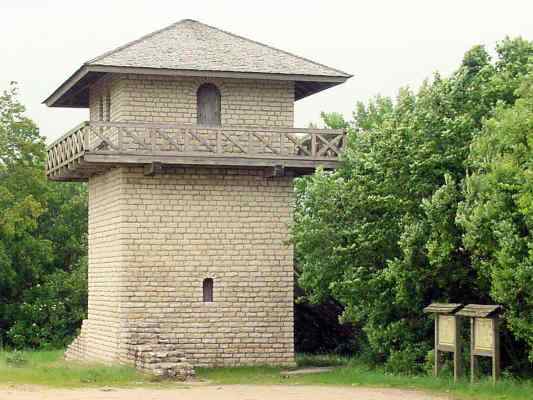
208 105
100 108
108 107
208 290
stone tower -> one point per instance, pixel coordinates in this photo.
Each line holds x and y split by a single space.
189 155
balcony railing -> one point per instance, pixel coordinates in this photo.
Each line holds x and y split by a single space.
93 145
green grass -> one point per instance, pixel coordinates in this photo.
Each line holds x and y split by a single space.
48 368
353 373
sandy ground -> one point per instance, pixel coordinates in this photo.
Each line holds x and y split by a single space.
224 392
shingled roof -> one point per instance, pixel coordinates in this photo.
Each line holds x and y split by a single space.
192 48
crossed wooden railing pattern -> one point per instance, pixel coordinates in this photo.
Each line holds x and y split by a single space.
124 138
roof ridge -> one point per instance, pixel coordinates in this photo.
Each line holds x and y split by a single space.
138 40
272 48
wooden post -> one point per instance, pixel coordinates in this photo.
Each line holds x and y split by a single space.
120 139
437 366
186 140
496 350
344 139
473 360
250 149
219 141
153 139
86 138
458 353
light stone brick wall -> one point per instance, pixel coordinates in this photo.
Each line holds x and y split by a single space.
162 99
107 85
100 332
153 240
230 225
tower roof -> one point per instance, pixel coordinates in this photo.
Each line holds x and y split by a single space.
192 48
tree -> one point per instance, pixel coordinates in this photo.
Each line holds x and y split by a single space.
497 213
380 235
42 224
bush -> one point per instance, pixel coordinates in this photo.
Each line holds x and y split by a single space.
405 362
51 313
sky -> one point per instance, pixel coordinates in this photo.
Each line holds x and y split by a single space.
384 44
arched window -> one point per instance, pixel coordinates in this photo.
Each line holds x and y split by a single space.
208 290
208 105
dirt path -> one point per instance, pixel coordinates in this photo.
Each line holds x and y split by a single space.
224 392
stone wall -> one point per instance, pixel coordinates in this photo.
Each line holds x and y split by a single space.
229 225
160 99
154 239
107 89
77 350
100 333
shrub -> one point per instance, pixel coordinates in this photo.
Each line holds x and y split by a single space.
51 313
405 362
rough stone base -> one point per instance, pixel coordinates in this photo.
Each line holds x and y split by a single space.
156 358
164 361
77 350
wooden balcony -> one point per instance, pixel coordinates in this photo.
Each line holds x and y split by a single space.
93 147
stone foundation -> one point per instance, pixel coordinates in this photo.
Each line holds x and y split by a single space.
163 360
77 350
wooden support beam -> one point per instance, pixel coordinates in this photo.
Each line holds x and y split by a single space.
153 168
275 171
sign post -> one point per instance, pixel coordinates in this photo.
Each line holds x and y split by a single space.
447 335
484 336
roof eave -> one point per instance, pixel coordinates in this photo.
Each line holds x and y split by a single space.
54 100
66 85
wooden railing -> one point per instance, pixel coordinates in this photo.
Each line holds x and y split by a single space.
129 140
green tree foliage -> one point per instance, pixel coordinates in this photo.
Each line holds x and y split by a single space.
380 235
50 313
497 213
42 224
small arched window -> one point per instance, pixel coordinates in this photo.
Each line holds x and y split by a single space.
208 290
208 105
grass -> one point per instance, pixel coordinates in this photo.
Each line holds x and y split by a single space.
48 368
351 372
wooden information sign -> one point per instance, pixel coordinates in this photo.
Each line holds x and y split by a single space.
484 336
447 334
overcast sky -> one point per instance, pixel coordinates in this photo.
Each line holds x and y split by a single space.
384 44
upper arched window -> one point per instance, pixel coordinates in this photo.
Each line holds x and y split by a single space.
208 105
